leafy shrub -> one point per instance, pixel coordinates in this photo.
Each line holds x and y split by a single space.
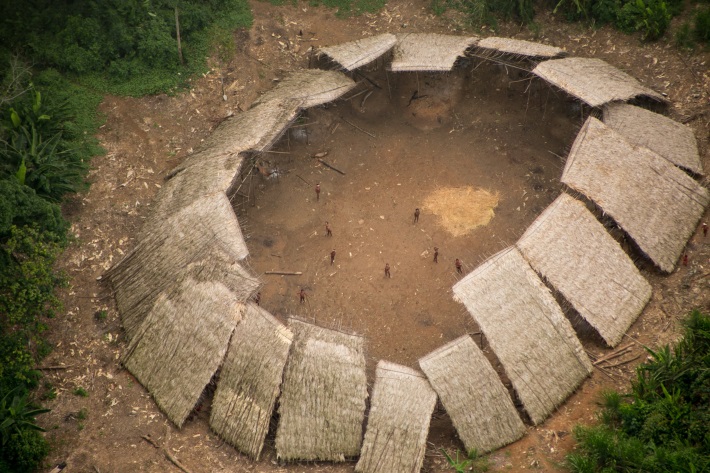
662 426
40 144
22 446
650 17
701 25
683 37
20 206
123 46
81 392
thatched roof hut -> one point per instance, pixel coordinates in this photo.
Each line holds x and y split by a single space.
309 88
250 381
322 404
519 47
593 81
182 342
473 395
568 246
216 165
668 138
657 204
398 424
429 51
162 256
526 329
361 52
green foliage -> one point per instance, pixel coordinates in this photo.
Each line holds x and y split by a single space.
20 206
662 426
81 392
650 17
484 12
27 279
22 445
121 46
701 25
683 37
472 462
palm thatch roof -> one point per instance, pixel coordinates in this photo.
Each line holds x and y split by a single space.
668 138
518 47
572 250
361 52
526 329
398 424
322 405
182 342
205 231
250 381
309 88
473 395
593 81
429 51
657 204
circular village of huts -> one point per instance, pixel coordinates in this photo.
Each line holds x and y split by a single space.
191 300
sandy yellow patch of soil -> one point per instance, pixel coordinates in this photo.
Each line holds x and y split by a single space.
462 209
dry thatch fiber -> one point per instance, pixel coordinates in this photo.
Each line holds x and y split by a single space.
657 204
216 165
670 139
163 255
462 209
593 81
182 342
573 251
527 331
473 395
309 88
322 405
518 47
250 380
354 54
398 424
429 51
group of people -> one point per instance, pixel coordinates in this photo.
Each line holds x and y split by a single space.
329 233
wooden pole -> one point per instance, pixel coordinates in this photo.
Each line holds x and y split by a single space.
284 273
177 29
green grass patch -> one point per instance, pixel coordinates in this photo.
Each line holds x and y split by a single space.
81 392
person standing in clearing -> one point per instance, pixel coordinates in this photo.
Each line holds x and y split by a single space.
705 229
416 215
257 298
436 254
332 257
459 266
302 295
387 270
317 192
328 232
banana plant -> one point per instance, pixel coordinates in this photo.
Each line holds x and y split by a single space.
16 415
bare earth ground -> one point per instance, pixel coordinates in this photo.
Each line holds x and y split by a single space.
476 127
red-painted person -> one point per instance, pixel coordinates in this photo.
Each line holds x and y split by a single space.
436 254
705 229
459 266
302 295
685 259
328 231
317 192
332 257
387 270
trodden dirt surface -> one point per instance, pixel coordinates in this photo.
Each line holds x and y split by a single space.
479 129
